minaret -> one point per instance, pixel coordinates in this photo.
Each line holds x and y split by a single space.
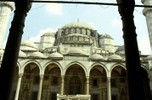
5 11
148 14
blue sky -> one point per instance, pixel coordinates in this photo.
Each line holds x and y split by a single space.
105 19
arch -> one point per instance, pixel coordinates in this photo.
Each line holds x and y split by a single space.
98 64
75 79
50 62
33 61
119 82
117 65
78 63
52 81
97 80
30 81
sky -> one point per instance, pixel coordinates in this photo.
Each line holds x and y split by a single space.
44 17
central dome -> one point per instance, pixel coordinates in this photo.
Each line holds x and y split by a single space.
78 24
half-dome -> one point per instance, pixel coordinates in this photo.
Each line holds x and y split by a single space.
115 57
37 55
97 57
78 24
55 55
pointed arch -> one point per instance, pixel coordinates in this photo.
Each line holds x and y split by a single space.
52 62
77 63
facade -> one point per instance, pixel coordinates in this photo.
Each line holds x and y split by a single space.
75 62
80 62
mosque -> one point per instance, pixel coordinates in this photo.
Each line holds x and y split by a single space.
73 63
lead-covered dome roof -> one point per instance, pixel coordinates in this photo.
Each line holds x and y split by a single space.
120 50
78 24
115 57
37 55
22 54
28 45
105 36
49 34
55 55
97 57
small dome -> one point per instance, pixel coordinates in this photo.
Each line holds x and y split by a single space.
120 50
106 36
78 24
28 45
37 55
56 55
22 54
1 52
115 57
96 57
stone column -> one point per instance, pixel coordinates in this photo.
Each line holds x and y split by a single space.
62 84
148 14
87 85
10 57
40 87
109 87
18 86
